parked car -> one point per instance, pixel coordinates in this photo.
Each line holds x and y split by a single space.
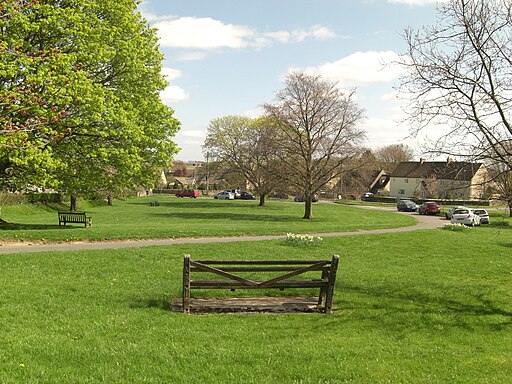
246 196
366 195
465 216
429 208
224 195
187 193
302 198
406 206
278 195
235 192
448 214
484 215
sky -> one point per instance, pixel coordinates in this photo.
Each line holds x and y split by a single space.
229 57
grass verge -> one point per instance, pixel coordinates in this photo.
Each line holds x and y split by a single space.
204 217
418 307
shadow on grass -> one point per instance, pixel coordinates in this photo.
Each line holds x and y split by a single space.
163 303
442 309
506 245
188 203
229 216
34 227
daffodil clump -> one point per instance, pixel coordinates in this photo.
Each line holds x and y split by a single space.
456 227
302 240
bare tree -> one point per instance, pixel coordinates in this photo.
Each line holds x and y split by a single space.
317 125
459 76
389 156
248 145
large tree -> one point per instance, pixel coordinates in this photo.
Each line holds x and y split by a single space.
318 131
459 76
79 88
249 145
389 156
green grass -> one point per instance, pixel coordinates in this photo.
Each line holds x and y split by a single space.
417 307
135 219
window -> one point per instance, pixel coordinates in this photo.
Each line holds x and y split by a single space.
406 181
401 191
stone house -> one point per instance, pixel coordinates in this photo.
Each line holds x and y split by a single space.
439 179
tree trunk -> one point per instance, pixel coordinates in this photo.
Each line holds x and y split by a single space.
109 199
72 206
510 208
262 200
308 208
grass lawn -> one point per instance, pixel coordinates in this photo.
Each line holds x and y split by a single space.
417 307
134 218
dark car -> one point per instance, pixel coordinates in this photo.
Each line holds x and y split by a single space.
429 208
246 196
302 198
187 193
406 206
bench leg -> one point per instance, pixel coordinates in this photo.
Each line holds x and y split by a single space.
323 290
332 281
186 284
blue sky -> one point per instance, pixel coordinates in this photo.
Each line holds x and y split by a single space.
225 57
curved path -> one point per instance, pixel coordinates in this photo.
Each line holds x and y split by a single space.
424 222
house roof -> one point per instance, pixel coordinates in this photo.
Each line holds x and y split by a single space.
448 170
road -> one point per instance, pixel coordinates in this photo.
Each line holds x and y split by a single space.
424 222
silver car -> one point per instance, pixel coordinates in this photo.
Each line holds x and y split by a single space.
449 213
224 195
465 216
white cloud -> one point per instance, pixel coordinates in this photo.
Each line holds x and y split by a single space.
173 94
209 34
202 33
361 68
171 74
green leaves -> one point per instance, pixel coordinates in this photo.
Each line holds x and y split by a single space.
79 88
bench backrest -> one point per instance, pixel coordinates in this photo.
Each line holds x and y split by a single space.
284 274
71 215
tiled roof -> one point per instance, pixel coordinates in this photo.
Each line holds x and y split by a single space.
453 170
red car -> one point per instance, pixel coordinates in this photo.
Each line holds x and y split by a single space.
429 208
187 193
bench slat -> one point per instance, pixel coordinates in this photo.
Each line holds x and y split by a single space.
259 269
223 284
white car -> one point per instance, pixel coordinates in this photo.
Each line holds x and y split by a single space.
224 195
449 213
465 216
484 215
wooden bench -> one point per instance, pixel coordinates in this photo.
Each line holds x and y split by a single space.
232 272
75 217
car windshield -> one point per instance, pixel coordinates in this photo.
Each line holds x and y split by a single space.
480 211
461 212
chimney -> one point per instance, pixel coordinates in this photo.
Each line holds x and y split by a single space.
422 160
449 159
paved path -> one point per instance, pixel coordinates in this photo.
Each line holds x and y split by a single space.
424 222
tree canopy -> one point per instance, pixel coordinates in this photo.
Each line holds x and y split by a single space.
79 96
318 125
251 146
